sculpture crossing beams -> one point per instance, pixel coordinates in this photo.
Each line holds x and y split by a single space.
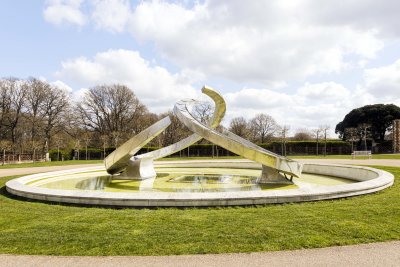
218 115
118 160
275 168
141 166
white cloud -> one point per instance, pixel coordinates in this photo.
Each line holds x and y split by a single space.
62 85
155 86
78 95
258 99
263 44
111 15
64 11
328 91
309 106
260 41
360 14
383 82
160 18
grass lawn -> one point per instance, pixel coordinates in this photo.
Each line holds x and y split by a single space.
374 156
50 163
199 158
40 228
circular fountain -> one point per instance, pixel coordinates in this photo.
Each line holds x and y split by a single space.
199 183
263 177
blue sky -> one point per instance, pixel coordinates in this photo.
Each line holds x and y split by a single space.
305 63
33 47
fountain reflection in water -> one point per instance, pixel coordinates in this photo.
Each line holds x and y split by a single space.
96 183
181 183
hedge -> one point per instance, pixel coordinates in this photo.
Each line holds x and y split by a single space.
292 148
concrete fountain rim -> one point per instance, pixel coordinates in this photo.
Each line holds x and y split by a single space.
368 179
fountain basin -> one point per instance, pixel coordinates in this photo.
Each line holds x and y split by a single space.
321 181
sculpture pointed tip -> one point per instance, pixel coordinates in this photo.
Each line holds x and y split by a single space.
206 87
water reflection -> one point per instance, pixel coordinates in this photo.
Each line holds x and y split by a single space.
219 183
96 183
183 183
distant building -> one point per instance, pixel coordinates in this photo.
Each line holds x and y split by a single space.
396 136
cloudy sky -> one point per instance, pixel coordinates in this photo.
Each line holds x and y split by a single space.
306 63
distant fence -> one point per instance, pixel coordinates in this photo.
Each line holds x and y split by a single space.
10 158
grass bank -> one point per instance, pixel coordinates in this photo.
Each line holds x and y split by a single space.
374 156
50 163
50 229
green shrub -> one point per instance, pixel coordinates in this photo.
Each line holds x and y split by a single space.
64 154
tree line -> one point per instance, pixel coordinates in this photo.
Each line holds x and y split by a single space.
31 112
36 116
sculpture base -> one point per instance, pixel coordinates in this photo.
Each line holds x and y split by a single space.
138 169
272 176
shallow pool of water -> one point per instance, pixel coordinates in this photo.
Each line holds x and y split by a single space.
180 180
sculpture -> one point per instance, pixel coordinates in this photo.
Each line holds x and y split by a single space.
275 168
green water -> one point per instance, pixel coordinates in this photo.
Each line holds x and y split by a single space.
179 180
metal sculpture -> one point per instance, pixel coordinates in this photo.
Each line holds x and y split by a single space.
275 168
218 115
123 156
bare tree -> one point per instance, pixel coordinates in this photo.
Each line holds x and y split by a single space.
262 127
239 126
30 111
103 139
36 94
87 137
54 107
317 134
115 137
17 92
5 106
302 135
59 143
77 147
72 125
5 145
325 129
112 110
202 111
284 132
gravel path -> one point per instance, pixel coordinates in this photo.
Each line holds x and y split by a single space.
376 162
375 254
22 171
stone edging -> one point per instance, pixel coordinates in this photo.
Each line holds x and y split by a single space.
370 180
